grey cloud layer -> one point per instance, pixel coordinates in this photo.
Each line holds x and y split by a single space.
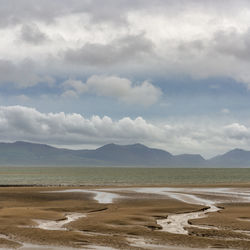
197 38
13 12
32 34
22 123
21 75
122 50
16 11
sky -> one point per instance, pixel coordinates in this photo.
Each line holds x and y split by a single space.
170 74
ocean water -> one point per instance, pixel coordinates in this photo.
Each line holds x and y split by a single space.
120 176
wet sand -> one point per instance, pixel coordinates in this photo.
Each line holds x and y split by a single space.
174 217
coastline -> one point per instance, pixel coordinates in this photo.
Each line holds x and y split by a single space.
226 184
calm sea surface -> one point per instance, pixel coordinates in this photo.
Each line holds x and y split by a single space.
119 176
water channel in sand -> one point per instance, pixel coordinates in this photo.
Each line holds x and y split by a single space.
174 223
177 223
58 225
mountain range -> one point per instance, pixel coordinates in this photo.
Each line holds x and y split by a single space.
137 155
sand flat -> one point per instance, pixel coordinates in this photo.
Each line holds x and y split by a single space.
125 217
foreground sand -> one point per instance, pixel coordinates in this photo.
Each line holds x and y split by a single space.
124 218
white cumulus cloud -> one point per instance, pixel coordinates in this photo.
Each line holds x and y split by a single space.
112 86
23 123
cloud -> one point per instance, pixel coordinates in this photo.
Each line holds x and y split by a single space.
201 39
112 86
237 131
69 94
78 87
17 12
21 75
122 50
22 98
233 43
29 124
14 12
23 123
225 111
30 33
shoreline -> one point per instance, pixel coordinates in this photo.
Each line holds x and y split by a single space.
226 184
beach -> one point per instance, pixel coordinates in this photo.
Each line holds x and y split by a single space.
125 217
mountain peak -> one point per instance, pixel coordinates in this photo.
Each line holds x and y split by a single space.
137 145
108 146
113 145
237 151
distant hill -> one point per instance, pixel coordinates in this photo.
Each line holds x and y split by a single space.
32 154
136 154
236 157
25 153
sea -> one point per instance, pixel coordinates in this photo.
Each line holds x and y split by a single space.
120 176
